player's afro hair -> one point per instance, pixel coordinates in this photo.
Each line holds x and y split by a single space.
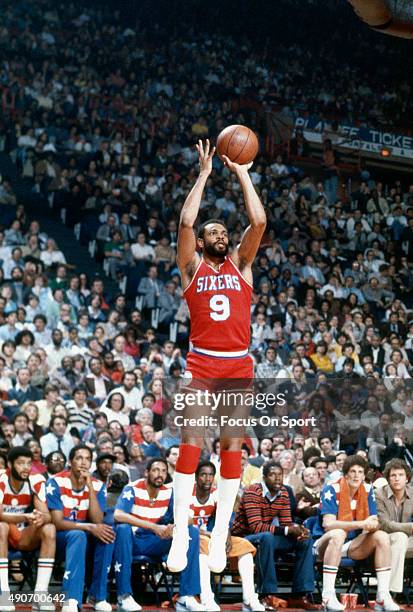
19 451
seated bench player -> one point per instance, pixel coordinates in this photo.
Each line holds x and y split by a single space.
25 524
203 507
77 502
350 527
144 516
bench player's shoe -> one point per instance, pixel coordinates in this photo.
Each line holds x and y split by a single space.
386 605
5 604
128 604
188 603
253 605
102 606
332 604
70 605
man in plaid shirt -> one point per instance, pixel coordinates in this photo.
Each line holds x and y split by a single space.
264 518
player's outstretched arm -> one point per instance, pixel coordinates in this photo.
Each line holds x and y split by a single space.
245 253
186 237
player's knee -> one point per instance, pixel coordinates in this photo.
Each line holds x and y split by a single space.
48 532
266 539
77 536
304 544
337 537
381 537
123 530
4 530
399 539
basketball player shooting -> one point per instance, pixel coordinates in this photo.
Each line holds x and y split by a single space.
218 290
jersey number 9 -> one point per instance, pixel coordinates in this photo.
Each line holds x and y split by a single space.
219 305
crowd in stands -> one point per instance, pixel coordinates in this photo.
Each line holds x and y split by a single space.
101 120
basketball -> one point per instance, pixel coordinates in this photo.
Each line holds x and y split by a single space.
238 143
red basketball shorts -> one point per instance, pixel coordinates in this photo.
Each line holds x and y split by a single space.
206 372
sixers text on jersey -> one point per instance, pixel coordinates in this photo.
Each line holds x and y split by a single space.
217 301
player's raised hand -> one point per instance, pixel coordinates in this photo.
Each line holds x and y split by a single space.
205 156
236 168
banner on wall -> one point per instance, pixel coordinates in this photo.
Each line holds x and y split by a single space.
349 136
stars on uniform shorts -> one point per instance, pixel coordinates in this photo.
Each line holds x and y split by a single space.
66 575
118 566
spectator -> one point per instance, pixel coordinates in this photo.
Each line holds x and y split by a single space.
22 392
98 385
379 438
394 510
113 410
57 439
308 498
79 413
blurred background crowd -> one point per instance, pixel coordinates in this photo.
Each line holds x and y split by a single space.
100 114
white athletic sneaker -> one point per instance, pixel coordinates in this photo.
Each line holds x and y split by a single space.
188 603
254 605
386 605
43 606
177 558
70 605
332 604
128 604
210 605
217 557
102 606
5 604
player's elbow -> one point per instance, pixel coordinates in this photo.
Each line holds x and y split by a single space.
117 515
186 222
260 222
97 517
328 524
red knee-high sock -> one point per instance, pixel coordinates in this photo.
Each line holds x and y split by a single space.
188 458
230 464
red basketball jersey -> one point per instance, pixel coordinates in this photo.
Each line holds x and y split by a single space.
219 305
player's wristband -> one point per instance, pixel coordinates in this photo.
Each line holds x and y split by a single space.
286 531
